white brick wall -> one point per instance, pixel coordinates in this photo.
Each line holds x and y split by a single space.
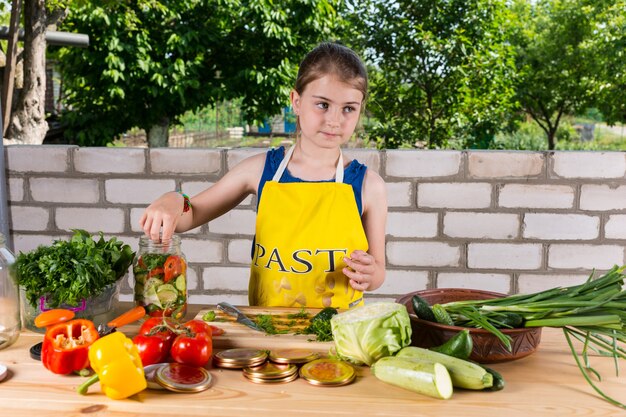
590 164
498 164
423 254
423 164
549 226
454 195
536 196
64 190
504 256
502 221
481 225
412 224
118 161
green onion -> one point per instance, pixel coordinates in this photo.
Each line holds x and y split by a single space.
594 313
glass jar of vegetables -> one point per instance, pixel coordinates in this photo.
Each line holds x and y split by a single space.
9 298
160 271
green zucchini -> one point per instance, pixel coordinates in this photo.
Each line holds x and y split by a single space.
441 315
498 380
428 378
460 345
464 374
422 309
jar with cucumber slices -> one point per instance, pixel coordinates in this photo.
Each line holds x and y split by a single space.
160 271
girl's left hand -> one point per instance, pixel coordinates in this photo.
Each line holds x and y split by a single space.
361 269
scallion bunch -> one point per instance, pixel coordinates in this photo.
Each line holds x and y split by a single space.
593 313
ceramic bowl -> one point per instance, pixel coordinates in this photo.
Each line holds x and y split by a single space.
487 347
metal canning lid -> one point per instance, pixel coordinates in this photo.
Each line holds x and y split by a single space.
327 372
236 365
293 355
150 373
270 370
240 355
289 378
183 378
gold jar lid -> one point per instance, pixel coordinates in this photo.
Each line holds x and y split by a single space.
297 356
328 372
183 378
270 370
289 378
239 358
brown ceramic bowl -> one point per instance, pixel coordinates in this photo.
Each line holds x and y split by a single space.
487 347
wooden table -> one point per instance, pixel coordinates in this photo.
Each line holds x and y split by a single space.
547 383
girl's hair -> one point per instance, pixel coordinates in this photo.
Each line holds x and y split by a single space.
332 58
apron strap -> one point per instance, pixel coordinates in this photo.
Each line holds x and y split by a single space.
285 161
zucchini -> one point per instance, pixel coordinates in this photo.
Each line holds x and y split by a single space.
498 381
441 315
422 309
428 378
464 374
460 345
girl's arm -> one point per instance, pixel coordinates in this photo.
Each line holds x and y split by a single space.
165 215
367 269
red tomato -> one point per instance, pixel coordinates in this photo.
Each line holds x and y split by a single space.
152 349
192 350
147 327
155 272
199 326
174 266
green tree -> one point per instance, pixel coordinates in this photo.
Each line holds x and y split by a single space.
150 61
609 75
441 69
555 60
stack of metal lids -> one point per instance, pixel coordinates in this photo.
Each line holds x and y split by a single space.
271 373
293 356
239 358
328 372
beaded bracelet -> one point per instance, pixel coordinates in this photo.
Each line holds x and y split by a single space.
186 202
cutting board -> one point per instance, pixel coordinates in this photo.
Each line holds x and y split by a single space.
237 335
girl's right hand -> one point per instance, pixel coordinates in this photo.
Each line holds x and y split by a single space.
161 217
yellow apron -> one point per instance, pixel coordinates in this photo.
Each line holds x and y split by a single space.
303 232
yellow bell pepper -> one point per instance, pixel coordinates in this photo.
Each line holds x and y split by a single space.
115 360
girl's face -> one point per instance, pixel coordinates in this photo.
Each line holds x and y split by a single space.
329 110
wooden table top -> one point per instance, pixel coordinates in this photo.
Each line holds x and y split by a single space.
547 383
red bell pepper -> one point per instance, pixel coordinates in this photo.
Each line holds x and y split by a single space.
65 346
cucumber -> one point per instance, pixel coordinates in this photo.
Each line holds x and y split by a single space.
150 297
181 283
422 309
510 320
460 345
464 374
441 315
428 378
167 294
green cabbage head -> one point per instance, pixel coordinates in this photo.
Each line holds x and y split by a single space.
367 333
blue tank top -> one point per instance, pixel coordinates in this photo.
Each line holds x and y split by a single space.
353 174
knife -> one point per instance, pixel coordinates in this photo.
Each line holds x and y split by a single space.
241 318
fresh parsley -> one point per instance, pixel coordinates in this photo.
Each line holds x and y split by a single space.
70 270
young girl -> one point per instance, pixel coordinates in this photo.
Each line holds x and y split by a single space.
320 229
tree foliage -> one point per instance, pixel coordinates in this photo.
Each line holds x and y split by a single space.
149 61
441 70
558 59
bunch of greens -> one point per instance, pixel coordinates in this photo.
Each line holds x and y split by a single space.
67 272
320 325
593 313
